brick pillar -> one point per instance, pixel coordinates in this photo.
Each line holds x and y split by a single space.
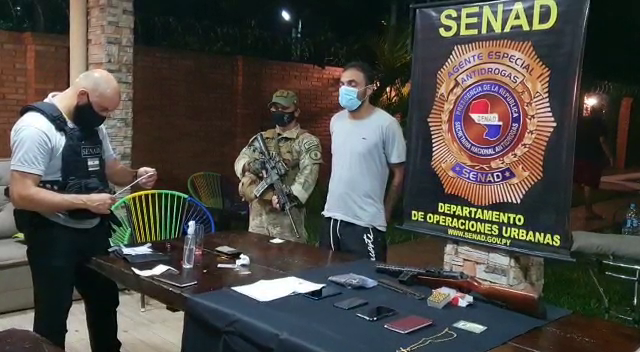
519 272
110 47
623 132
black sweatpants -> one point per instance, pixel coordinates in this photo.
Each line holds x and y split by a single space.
57 257
364 242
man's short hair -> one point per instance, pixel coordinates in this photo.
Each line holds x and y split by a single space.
364 68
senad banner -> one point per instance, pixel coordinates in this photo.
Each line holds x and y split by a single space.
494 101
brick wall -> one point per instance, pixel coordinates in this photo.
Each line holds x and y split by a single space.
13 83
191 111
195 112
30 67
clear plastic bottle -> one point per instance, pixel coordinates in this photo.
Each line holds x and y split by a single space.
635 222
631 226
189 250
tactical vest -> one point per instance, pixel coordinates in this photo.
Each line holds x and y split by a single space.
83 166
288 154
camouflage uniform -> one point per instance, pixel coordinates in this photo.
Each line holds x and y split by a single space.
302 154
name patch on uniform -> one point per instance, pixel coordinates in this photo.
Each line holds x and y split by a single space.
91 151
93 164
310 144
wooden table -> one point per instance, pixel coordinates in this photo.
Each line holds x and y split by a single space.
18 340
268 261
573 333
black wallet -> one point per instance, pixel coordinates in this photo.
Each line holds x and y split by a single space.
140 258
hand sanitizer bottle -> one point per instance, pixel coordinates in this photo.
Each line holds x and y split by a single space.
189 250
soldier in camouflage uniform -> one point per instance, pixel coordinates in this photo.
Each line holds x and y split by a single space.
300 151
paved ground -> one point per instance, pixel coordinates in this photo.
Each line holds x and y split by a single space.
608 209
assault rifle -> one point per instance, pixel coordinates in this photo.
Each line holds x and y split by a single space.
518 301
274 169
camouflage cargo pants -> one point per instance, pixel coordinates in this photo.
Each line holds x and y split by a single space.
266 220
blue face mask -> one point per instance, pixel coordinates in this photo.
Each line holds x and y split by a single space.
349 98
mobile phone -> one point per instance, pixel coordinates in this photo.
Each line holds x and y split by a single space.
377 313
322 293
183 279
228 251
351 303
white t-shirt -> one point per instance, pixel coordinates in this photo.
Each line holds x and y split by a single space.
361 153
36 148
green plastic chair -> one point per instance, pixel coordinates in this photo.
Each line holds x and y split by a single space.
207 188
157 215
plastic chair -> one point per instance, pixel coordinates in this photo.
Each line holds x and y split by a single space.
153 216
207 188
157 215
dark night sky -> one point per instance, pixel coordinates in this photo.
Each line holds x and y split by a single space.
613 29
613 39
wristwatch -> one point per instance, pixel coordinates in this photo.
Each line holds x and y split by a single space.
135 175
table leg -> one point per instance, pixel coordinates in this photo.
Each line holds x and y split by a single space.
143 303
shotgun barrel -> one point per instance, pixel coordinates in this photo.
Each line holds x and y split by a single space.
518 301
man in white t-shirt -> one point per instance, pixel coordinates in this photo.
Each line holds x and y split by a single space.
366 142
61 166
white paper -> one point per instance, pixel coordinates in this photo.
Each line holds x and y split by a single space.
277 240
269 290
145 249
227 266
159 269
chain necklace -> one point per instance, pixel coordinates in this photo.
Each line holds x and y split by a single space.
429 340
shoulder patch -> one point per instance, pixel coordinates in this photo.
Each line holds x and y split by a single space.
315 155
311 144
312 148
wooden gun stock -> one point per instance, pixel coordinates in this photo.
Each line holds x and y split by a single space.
518 301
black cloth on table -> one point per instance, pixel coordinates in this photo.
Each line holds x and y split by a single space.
225 320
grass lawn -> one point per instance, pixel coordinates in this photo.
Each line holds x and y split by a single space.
570 285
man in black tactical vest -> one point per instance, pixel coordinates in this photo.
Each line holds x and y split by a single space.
61 166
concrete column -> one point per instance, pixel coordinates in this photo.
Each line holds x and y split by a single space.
110 47
77 38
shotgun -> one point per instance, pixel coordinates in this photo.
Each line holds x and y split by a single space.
522 302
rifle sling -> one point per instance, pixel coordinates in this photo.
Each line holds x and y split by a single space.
276 146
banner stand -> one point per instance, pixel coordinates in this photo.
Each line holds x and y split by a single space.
492 121
546 255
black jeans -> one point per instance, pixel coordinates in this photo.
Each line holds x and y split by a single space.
364 242
57 257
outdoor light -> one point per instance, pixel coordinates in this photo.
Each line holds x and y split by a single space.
295 34
591 101
285 15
